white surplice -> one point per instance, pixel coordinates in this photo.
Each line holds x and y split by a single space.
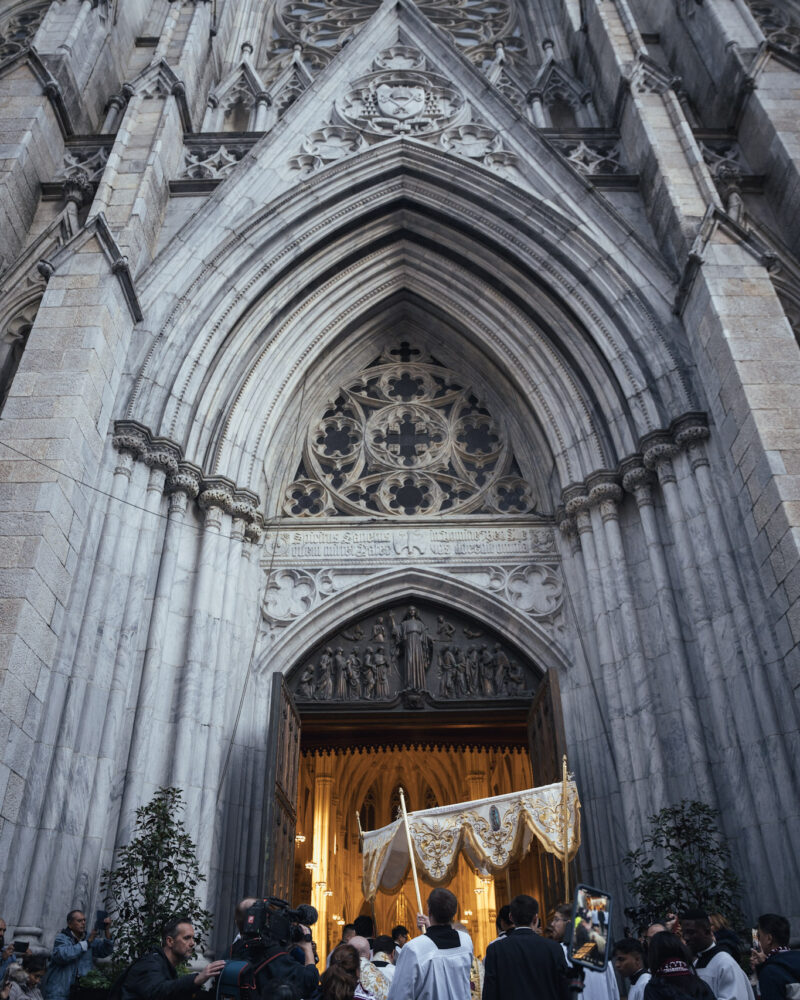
425 972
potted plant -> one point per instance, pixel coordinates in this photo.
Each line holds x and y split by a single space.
155 877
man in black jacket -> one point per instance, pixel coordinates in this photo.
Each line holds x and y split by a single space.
154 977
523 964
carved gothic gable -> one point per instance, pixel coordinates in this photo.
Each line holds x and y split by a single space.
412 655
406 436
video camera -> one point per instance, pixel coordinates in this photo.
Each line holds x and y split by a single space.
271 921
270 928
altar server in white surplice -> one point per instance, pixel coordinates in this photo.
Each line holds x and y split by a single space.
436 965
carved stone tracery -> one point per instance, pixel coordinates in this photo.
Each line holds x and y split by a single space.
322 27
403 438
17 31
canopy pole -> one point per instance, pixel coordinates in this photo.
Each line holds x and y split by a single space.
565 822
411 853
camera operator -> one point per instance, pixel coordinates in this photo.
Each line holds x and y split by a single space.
279 966
276 942
155 977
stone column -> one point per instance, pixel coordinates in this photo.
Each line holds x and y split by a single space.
635 681
323 790
728 762
70 706
639 481
161 458
536 109
230 678
264 118
149 749
752 656
194 706
597 584
588 738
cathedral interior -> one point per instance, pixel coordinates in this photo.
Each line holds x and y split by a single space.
395 394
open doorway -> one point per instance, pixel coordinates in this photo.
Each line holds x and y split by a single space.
334 786
344 743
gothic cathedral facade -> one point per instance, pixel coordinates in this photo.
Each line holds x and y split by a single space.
371 372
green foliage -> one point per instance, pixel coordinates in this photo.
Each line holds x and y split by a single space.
684 863
98 978
156 878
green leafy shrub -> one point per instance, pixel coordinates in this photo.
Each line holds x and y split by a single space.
156 877
683 863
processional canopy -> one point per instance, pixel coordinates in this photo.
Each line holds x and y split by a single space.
492 834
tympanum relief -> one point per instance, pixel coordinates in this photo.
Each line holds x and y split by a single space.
413 655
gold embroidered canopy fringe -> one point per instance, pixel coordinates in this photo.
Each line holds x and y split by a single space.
492 834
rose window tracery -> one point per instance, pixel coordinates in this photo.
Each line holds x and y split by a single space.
406 437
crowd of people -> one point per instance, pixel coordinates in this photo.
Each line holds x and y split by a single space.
691 956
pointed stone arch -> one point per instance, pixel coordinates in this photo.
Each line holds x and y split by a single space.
530 273
520 631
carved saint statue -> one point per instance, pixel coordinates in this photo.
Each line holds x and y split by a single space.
412 635
353 671
326 674
501 668
340 670
444 627
381 674
368 673
448 669
305 687
486 661
379 630
515 679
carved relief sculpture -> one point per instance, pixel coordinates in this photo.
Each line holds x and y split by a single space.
419 661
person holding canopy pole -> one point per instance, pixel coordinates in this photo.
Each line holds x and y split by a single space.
437 964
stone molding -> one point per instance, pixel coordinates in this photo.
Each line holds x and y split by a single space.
98 227
636 474
216 493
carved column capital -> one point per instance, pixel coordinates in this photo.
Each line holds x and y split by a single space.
217 491
163 454
575 499
186 480
215 498
690 432
637 479
689 429
658 450
255 529
131 438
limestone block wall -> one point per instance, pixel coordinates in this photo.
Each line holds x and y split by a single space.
658 388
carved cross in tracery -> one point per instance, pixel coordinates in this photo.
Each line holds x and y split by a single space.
405 352
409 439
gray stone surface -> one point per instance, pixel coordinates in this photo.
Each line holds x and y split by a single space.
207 227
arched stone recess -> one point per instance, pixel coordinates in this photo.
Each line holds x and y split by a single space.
284 648
569 318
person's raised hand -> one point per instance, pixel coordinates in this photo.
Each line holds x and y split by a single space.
211 970
423 921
